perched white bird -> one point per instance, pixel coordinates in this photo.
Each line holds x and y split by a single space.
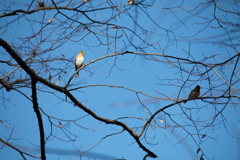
79 61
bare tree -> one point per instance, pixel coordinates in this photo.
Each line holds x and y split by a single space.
142 60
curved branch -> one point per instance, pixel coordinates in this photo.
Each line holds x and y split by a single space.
21 152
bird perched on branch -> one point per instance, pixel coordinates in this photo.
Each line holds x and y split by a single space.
131 2
79 61
194 93
40 4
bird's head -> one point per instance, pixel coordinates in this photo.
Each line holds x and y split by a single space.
198 87
81 53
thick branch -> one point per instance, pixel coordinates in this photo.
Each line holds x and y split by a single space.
39 117
30 12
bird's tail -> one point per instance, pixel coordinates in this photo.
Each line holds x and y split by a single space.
77 76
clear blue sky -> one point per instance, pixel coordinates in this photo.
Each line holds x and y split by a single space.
136 72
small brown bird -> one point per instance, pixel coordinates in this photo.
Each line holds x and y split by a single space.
195 93
79 61
131 2
40 4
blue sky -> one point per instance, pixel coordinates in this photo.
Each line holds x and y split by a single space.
151 75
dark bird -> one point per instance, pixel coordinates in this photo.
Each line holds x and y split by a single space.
40 4
194 93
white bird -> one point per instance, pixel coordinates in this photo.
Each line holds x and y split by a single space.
79 61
